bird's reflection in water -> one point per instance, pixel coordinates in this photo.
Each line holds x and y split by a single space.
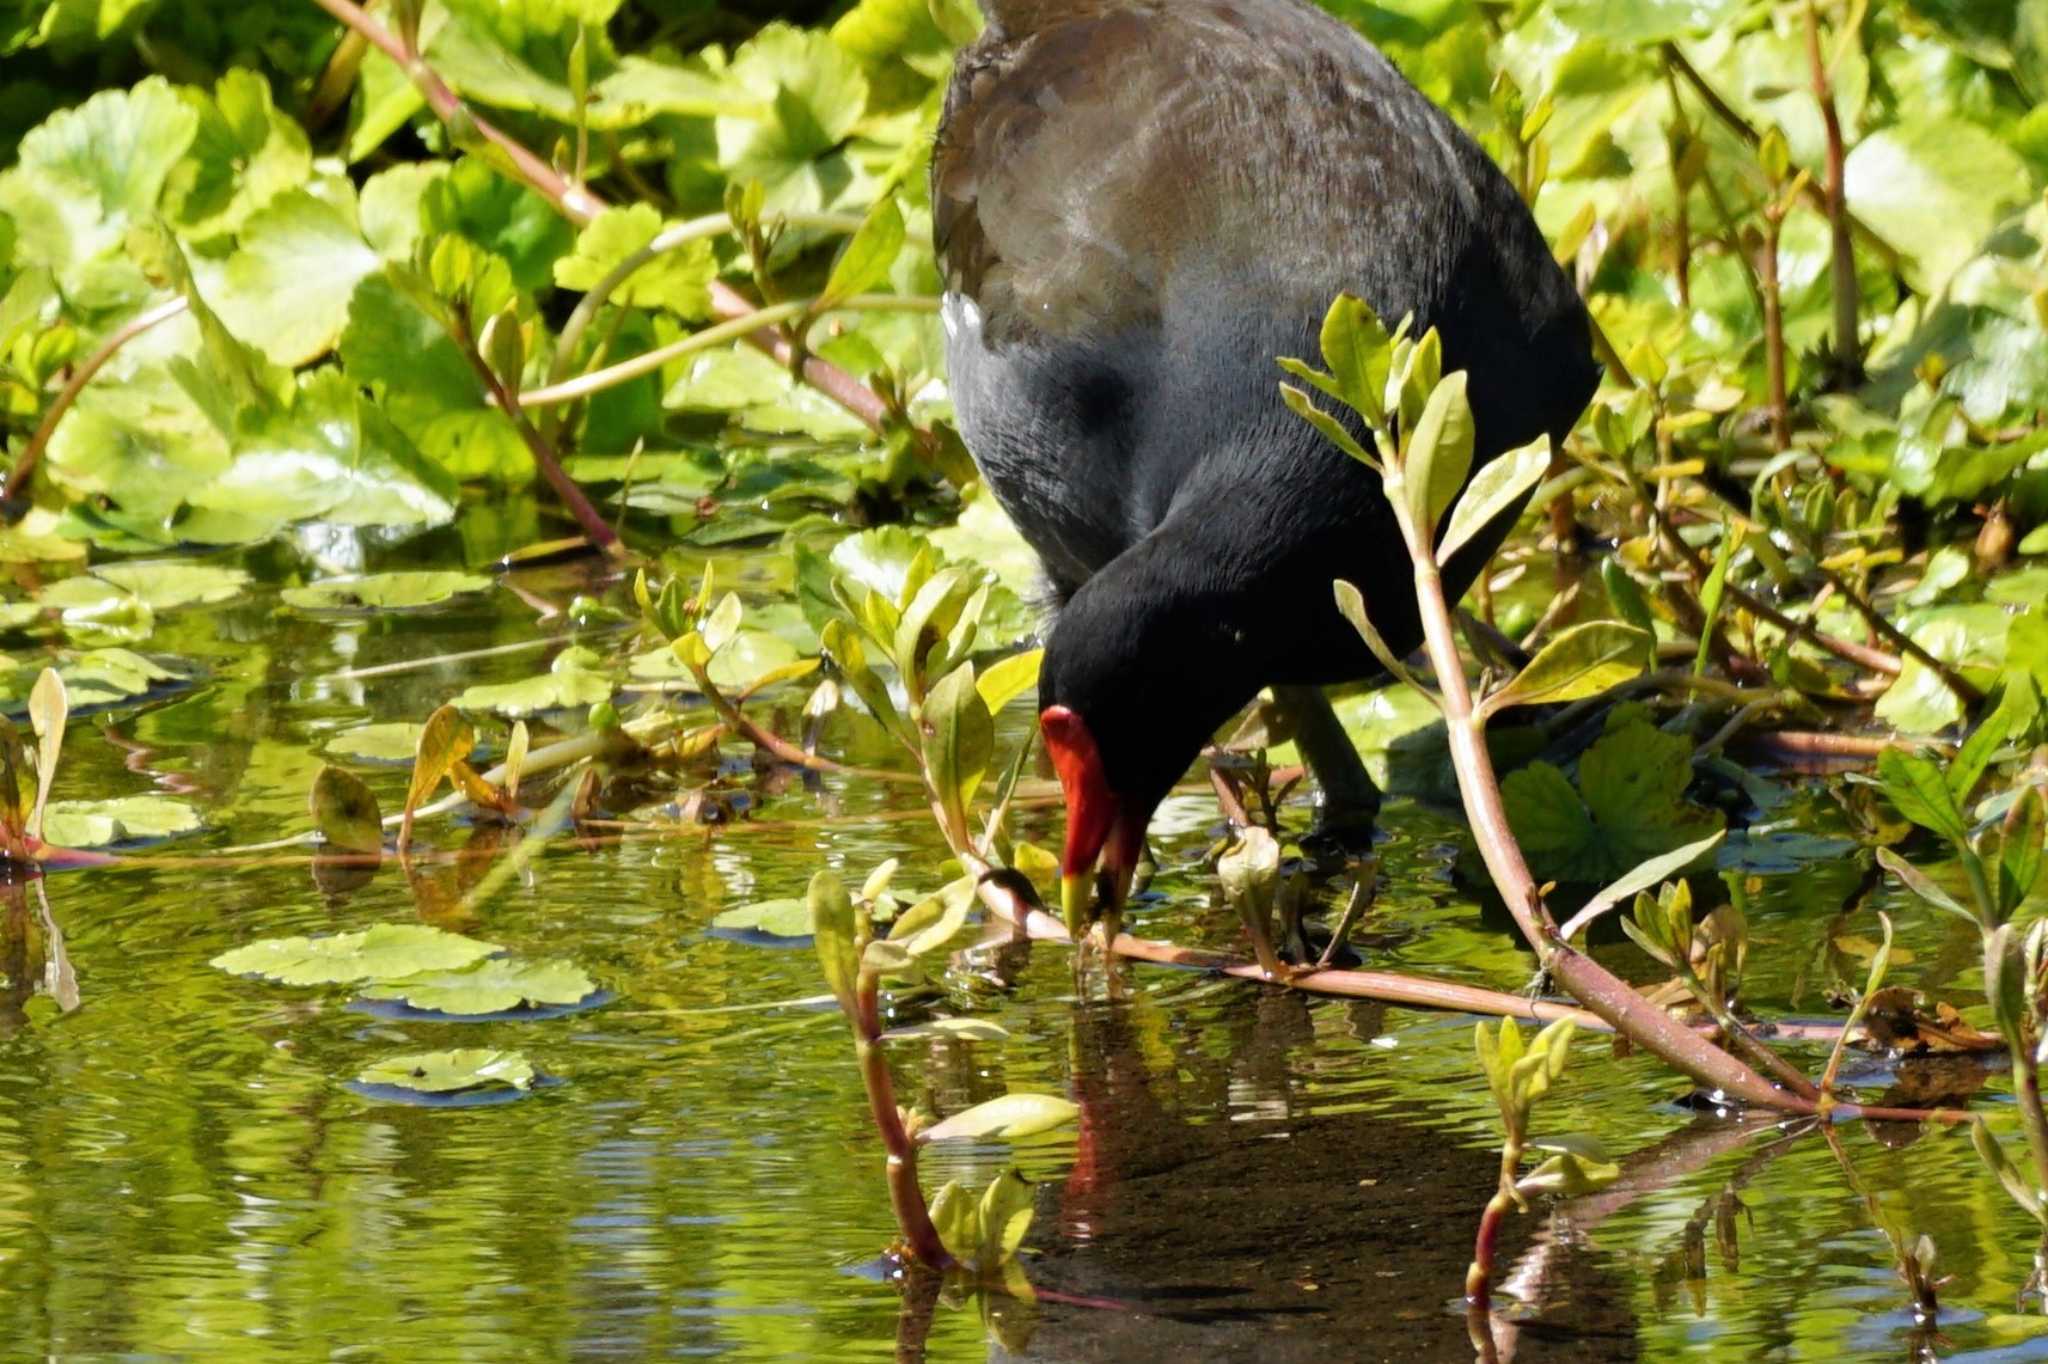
1232 1219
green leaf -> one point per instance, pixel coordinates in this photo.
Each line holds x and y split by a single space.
1003 681
1009 1118
1438 453
1351 605
1647 876
1333 431
85 176
1568 1176
2005 984
1711 594
776 918
1623 594
286 290
1922 885
49 706
965 1029
385 952
802 97
166 584
400 591
832 928
1643 22
678 280
1358 351
123 819
933 922
2016 1185
1919 791
1583 661
1629 807
345 812
2021 855
957 1218
2017 706
869 253
394 742
1500 486
450 1072
1005 1218
1937 185
494 985
573 680
959 738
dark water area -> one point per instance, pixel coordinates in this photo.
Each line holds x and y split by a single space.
186 1172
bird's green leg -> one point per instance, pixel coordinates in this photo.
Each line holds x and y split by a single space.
1350 801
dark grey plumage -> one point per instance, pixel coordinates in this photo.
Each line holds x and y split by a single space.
1138 204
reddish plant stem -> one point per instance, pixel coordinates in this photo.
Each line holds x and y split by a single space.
1479 1276
595 528
32 453
906 1197
1741 127
1585 979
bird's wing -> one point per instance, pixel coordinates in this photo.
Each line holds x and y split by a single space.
1083 161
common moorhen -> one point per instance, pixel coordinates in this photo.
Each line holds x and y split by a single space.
1138 205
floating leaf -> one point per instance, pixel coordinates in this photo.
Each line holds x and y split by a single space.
385 952
403 591
1568 1176
1009 1118
395 742
494 985
168 585
776 918
125 819
448 1072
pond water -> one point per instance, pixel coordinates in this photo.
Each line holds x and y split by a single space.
185 1172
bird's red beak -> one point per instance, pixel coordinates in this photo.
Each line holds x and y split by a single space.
1099 825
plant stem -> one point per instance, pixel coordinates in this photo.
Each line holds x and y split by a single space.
906 1197
1740 126
1774 327
32 453
736 329
1585 979
595 527
1848 355
1479 1275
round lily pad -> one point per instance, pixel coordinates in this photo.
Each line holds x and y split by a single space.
404 591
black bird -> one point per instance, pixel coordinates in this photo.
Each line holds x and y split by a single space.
1138 205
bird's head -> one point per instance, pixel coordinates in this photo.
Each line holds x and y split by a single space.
1132 686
